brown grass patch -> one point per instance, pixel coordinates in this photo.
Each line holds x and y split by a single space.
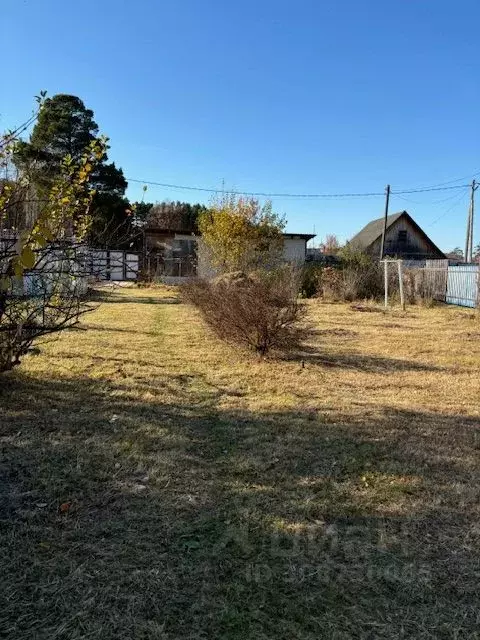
157 483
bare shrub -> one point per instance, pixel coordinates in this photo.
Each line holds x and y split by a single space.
351 282
331 284
43 275
410 285
361 282
260 310
424 286
46 299
356 276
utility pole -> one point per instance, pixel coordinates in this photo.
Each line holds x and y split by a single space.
387 199
471 213
467 237
472 216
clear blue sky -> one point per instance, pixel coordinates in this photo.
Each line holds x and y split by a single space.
267 95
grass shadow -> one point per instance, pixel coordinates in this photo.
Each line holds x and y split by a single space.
357 361
174 518
84 326
112 298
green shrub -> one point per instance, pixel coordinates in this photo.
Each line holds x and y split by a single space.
311 280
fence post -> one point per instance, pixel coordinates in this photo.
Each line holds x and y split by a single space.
400 282
477 302
385 265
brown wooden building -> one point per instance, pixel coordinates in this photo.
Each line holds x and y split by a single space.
404 238
170 252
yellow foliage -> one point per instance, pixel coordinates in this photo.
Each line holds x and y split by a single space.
240 234
27 257
66 207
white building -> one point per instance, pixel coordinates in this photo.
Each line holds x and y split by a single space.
295 246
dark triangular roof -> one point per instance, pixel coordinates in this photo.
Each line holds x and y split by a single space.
373 230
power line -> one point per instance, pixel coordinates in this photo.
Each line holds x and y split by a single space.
258 193
294 195
425 189
409 199
458 200
431 202
472 175
10 136
447 199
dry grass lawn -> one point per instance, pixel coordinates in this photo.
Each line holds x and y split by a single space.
158 484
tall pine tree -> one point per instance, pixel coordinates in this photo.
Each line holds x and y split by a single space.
65 127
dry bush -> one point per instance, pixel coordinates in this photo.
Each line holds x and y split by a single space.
43 270
331 284
423 286
363 282
44 300
357 276
352 282
260 311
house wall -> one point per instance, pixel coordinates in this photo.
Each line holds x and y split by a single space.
204 267
294 250
415 246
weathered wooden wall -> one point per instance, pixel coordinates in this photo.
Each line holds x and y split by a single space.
416 245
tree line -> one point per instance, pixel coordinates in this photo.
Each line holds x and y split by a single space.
66 127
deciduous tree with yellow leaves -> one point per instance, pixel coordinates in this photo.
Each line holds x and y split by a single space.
239 234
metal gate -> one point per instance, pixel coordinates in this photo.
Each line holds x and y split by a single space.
463 285
114 265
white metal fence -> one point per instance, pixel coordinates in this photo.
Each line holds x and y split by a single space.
453 284
112 265
72 269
